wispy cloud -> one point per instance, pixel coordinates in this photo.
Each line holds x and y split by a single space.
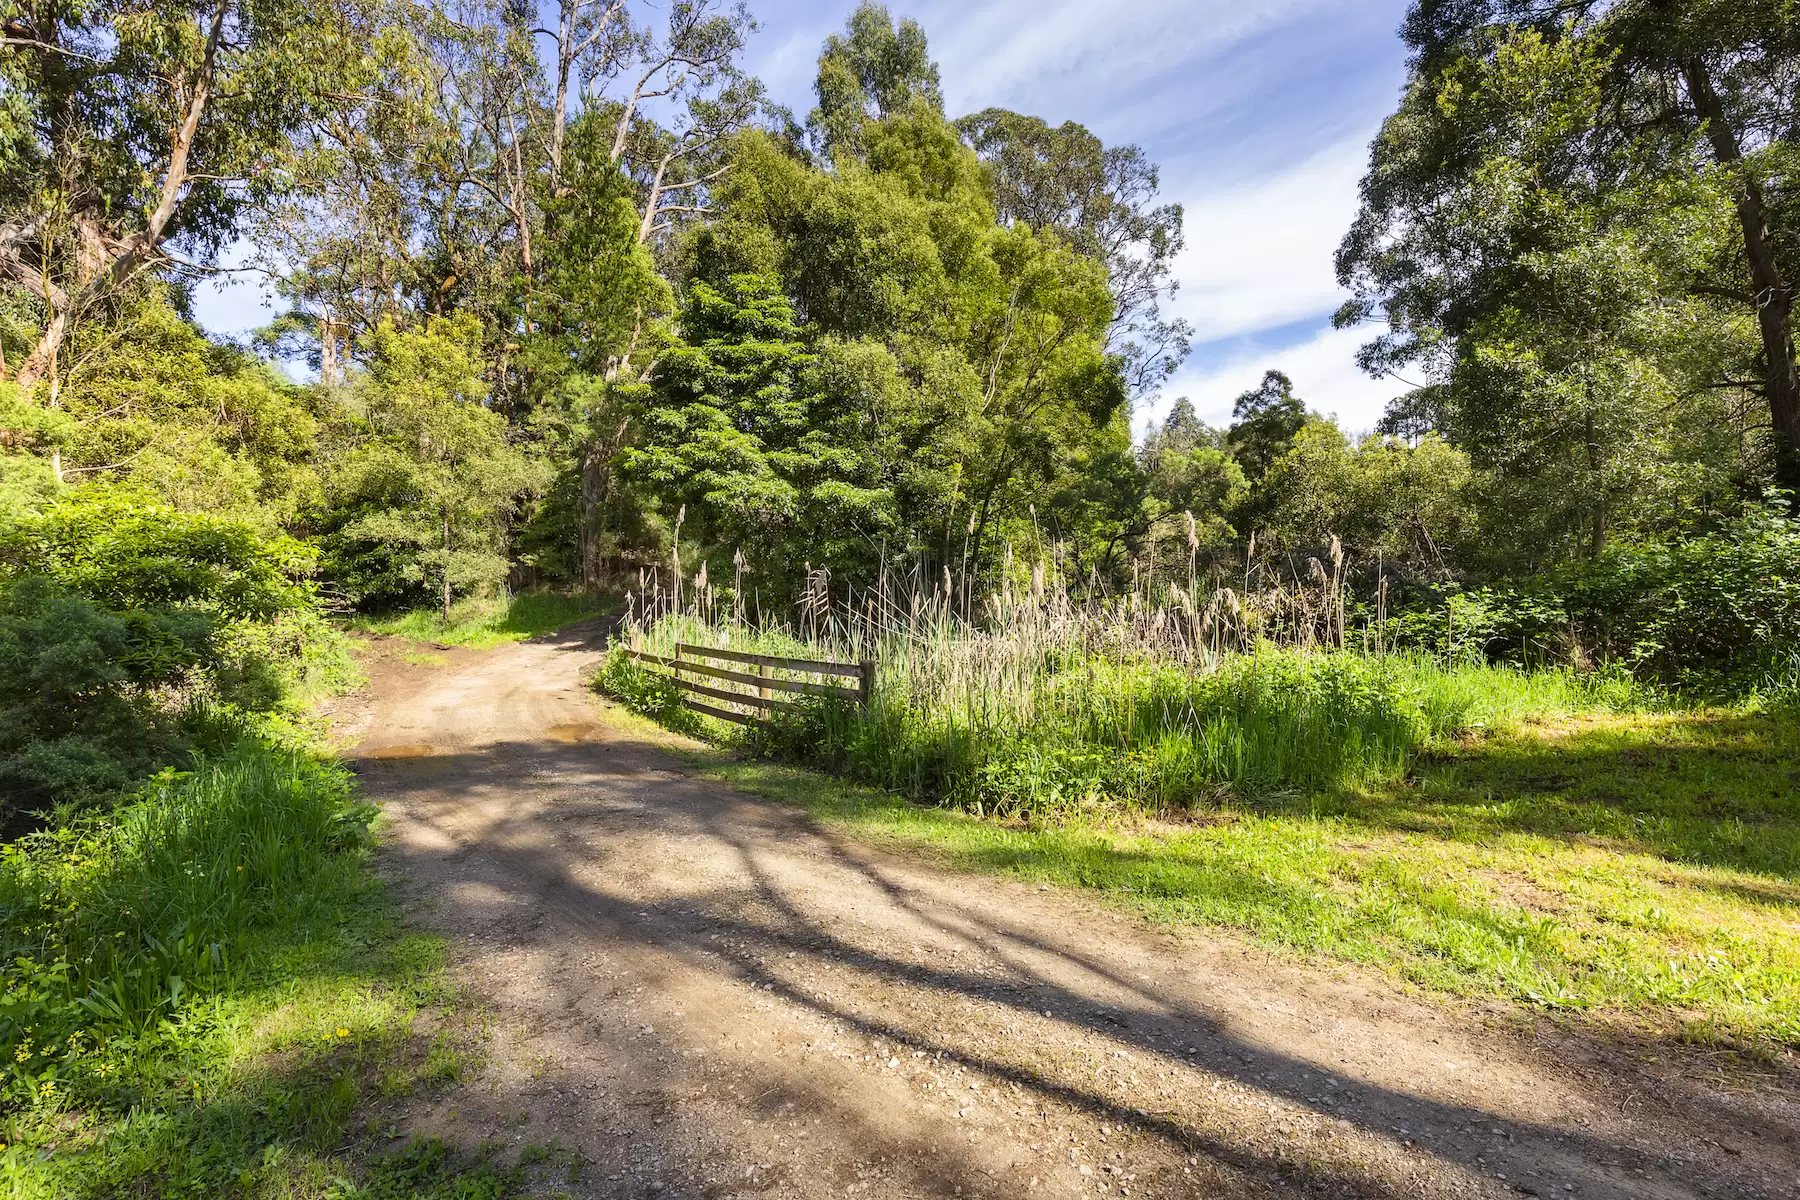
1259 254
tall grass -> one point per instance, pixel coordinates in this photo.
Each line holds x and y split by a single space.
1044 706
116 921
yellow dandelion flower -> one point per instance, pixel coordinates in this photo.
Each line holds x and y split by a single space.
343 1032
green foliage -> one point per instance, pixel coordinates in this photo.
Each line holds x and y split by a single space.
124 551
1556 268
28 432
421 499
79 718
210 979
199 426
1718 613
1266 420
1027 731
645 691
1383 498
128 631
873 69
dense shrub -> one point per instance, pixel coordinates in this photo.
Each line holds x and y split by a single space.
82 691
129 631
1719 611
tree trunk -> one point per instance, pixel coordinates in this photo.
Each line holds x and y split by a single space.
1772 295
328 358
593 493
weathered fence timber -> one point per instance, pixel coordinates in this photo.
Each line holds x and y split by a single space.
772 692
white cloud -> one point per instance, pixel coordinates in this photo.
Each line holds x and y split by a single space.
1259 255
1324 372
1032 51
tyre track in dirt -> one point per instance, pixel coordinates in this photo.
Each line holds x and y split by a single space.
695 993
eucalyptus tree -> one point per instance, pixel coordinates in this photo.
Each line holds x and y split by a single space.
138 133
1104 200
1535 132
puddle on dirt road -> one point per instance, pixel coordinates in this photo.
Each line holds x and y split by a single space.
573 734
414 750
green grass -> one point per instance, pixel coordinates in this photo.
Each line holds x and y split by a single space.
987 726
206 988
481 624
1638 869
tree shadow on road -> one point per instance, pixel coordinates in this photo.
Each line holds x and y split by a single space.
563 852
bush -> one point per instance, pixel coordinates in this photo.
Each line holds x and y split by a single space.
129 632
81 690
651 693
1720 612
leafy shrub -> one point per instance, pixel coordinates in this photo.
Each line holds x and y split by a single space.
124 552
80 691
651 693
127 629
1712 611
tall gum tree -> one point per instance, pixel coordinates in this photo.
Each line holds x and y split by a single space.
1712 74
148 129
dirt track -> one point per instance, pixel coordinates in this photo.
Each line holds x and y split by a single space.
696 993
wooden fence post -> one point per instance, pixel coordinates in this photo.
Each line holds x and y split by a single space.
865 683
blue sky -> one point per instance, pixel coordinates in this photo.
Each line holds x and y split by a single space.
1260 113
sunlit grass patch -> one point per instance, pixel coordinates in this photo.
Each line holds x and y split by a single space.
483 623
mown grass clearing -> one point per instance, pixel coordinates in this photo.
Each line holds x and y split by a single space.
1634 867
485 622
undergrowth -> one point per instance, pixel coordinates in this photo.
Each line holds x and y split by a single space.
202 986
1068 730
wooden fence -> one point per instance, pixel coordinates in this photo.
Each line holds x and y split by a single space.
771 692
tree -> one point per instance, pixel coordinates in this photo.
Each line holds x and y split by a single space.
422 493
149 127
1406 503
1553 305
1667 88
875 69
1266 419
1103 200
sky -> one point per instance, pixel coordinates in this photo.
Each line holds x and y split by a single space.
1259 112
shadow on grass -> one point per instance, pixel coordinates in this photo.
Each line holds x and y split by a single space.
1708 790
481 624
271 1084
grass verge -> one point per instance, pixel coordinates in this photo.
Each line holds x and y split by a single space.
1632 867
481 624
205 990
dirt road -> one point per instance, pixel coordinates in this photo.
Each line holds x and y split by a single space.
695 993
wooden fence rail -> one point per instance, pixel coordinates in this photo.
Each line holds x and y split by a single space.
767 684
